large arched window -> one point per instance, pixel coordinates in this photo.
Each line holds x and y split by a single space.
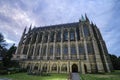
86 30
72 35
37 50
65 49
25 50
52 37
54 67
73 49
65 36
40 37
31 52
44 50
45 37
28 40
78 33
51 50
58 50
81 48
90 48
58 36
34 38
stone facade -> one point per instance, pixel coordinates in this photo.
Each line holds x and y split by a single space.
64 48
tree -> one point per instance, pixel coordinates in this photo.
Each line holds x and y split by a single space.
115 61
3 50
7 58
118 63
2 45
2 41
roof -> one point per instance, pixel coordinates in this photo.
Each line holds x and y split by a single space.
75 24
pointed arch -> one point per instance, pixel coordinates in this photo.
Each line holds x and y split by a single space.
40 34
73 49
65 49
64 67
74 68
54 67
44 68
65 35
45 39
52 36
58 50
86 30
72 34
81 49
36 66
58 36
51 50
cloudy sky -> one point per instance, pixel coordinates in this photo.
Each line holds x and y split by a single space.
15 15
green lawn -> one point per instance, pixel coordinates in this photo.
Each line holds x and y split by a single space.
107 76
24 76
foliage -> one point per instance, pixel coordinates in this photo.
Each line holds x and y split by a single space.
24 76
2 72
107 76
3 50
2 41
115 61
7 58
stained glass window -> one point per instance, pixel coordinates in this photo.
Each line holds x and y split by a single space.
86 30
81 49
51 50
58 36
58 50
65 49
78 34
72 35
90 48
44 50
73 50
65 36
52 37
40 37
45 38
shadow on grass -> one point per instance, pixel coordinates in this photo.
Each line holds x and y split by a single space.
115 75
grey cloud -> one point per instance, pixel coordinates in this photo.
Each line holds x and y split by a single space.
15 15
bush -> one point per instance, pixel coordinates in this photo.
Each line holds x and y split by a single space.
14 70
2 72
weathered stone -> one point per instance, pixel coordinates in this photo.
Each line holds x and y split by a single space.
64 48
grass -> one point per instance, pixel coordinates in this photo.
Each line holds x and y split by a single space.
24 76
107 76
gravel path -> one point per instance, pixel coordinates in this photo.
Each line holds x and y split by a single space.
75 76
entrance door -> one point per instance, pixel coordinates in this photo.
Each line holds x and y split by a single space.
74 68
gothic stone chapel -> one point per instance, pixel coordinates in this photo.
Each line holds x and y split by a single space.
63 48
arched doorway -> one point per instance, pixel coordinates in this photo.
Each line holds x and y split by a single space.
74 68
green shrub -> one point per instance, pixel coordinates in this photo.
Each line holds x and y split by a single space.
2 72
